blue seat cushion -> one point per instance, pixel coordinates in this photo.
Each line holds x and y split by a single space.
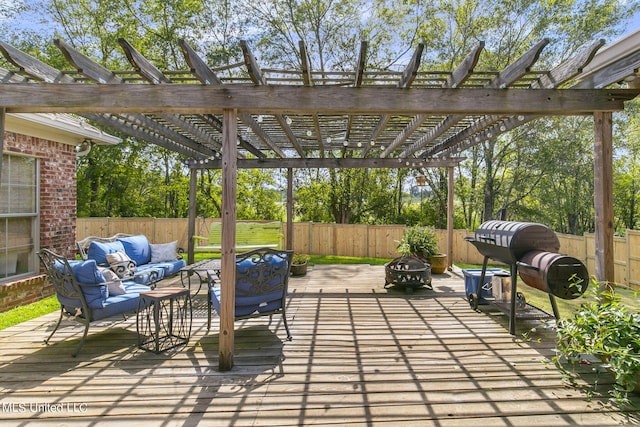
148 273
98 251
170 267
118 304
249 305
137 247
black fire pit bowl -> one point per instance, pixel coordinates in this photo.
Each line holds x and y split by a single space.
408 272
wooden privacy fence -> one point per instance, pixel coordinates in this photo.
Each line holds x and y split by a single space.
359 240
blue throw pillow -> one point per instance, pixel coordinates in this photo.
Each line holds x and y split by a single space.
86 272
137 247
98 251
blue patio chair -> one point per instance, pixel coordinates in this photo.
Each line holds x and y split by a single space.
84 294
262 277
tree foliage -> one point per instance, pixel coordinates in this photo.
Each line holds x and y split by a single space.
542 171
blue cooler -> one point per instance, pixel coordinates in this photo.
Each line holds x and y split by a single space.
472 280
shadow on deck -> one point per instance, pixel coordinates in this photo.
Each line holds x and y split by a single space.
360 355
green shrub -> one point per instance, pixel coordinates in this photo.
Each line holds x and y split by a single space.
420 241
605 328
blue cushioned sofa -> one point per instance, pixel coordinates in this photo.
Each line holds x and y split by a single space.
84 293
145 263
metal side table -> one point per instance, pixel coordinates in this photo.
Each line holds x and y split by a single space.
164 319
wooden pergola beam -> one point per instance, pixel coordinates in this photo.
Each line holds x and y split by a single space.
332 163
208 77
407 78
126 126
192 99
138 126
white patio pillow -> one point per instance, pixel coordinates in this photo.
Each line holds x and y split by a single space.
164 252
114 283
121 264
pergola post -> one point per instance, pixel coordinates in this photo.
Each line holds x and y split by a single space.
450 218
191 228
289 237
228 273
2 117
603 196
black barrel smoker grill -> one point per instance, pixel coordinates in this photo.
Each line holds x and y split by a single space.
532 248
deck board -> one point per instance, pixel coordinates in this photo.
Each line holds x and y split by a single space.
361 355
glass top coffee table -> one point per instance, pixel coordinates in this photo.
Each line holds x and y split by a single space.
200 272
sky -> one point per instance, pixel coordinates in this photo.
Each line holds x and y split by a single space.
632 26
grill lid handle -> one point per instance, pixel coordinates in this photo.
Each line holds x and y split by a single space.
525 265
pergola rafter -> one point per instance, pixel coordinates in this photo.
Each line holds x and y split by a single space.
244 115
556 77
458 77
511 74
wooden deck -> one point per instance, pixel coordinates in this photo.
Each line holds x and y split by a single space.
360 355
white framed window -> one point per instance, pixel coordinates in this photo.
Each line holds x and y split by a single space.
19 214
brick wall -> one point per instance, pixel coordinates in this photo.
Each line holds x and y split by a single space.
57 211
24 291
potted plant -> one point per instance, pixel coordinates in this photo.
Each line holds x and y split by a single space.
605 328
299 264
423 243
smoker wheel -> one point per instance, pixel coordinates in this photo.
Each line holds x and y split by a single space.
473 301
521 301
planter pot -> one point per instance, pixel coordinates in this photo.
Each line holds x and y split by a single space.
299 269
438 263
606 360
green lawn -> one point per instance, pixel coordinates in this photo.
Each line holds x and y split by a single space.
332 259
540 299
30 311
317 259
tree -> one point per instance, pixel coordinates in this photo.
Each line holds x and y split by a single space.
117 181
509 28
626 182
519 170
563 199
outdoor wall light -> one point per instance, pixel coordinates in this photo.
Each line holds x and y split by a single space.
84 147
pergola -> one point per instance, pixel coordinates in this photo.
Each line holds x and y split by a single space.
246 116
